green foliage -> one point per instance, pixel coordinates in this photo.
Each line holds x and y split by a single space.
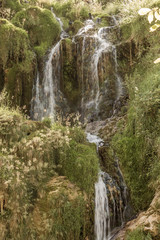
39 201
65 10
77 25
84 14
80 165
14 5
16 62
137 145
138 234
47 122
43 29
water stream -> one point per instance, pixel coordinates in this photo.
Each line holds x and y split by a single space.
44 103
110 199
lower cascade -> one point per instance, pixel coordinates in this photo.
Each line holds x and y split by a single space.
111 200
102 214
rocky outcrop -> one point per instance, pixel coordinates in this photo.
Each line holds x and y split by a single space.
147 221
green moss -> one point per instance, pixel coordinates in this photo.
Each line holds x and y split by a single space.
66 212
105 19
43 29
84 13
65 22
76 26
63 9
81 165
13 5
69 85
16 59
15 46
138 234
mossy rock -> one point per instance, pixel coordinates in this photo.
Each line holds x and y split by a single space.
64 207
69 84
42 27
76 26
84 13
16 63
64 10
15 46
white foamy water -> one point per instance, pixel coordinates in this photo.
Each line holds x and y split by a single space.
102 213
94 139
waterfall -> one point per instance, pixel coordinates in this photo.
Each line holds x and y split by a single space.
110 199
96 45
44 103
96 89
102 214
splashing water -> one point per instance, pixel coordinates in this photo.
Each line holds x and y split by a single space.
110 200
102 214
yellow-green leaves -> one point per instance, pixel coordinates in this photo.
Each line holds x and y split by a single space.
154 27
150 16
157 61
144 11
153 16
157 15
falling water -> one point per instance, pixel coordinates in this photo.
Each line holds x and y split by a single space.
102 214
37 102
95 45
119 80
44 103
110 199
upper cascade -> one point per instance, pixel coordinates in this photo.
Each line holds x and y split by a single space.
101 85
93 59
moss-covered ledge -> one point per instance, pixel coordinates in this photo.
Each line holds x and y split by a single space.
42 27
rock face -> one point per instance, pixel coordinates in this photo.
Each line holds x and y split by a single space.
148 221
